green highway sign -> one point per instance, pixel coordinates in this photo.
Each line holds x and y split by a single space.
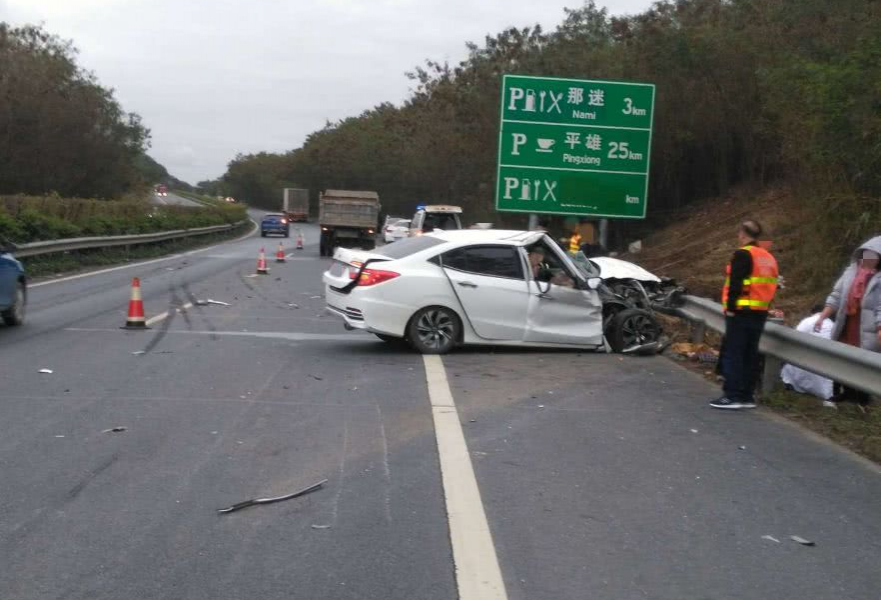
574 146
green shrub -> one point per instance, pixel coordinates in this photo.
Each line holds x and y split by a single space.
39 226
10 229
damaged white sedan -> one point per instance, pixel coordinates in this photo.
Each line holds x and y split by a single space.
488 287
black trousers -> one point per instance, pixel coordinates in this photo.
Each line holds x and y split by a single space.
740 354
843 393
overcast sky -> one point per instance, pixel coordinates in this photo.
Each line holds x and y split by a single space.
213 78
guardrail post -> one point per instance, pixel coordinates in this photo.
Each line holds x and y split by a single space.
698 332
771 372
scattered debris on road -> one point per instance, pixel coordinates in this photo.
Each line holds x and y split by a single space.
139 352
46 371
701 353
256 501
117 429
741 447
801 540
694 430
317 378
292 305
210 301
321 527
770 537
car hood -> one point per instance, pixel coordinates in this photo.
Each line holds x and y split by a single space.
614 268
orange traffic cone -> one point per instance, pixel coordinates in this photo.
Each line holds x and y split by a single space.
135 319
299 239
262 269
279 256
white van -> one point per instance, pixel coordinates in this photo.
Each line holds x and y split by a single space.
435 216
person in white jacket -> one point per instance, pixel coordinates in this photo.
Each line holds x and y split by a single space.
806 382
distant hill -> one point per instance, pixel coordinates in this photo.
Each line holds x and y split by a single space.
153 173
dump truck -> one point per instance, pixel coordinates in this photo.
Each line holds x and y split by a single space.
296 204
349 219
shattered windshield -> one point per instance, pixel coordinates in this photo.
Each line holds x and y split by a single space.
587 267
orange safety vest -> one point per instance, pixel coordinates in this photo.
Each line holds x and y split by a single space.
760 287
575 243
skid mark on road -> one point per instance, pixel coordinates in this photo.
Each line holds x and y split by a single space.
90 476
478 575
342 474
386 470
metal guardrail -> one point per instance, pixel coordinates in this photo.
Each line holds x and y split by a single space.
85 243
847 364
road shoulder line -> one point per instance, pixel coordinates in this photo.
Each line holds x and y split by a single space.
478 575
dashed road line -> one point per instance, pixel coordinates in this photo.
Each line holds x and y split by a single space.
478 575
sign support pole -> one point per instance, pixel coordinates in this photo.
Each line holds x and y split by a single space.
604 233
533 222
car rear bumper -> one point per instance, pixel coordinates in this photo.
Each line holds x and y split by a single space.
367 310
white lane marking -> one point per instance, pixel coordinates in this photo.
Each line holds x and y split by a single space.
277 335
478 575
162 316
141 264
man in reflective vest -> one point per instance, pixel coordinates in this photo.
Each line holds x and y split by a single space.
574 242
750 285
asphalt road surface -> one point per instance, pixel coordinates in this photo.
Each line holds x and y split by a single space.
174 199
585 475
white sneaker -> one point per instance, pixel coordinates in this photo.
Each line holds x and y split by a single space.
829 404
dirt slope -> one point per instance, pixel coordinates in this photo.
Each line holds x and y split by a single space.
695 248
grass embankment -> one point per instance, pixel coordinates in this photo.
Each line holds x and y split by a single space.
849 426
26 219
812 247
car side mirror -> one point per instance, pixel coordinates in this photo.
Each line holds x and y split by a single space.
594 283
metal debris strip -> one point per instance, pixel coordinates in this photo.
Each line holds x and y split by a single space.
770 538
117 429
801 540
210 301
46 371
256 501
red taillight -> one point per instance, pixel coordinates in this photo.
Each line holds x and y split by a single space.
374 276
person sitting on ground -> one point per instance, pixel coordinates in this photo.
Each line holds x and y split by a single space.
803 381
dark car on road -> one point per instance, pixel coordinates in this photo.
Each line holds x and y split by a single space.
275 224
13 286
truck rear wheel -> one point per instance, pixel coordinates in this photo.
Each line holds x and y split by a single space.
326 244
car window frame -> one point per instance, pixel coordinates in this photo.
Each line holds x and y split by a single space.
569 268
514 250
